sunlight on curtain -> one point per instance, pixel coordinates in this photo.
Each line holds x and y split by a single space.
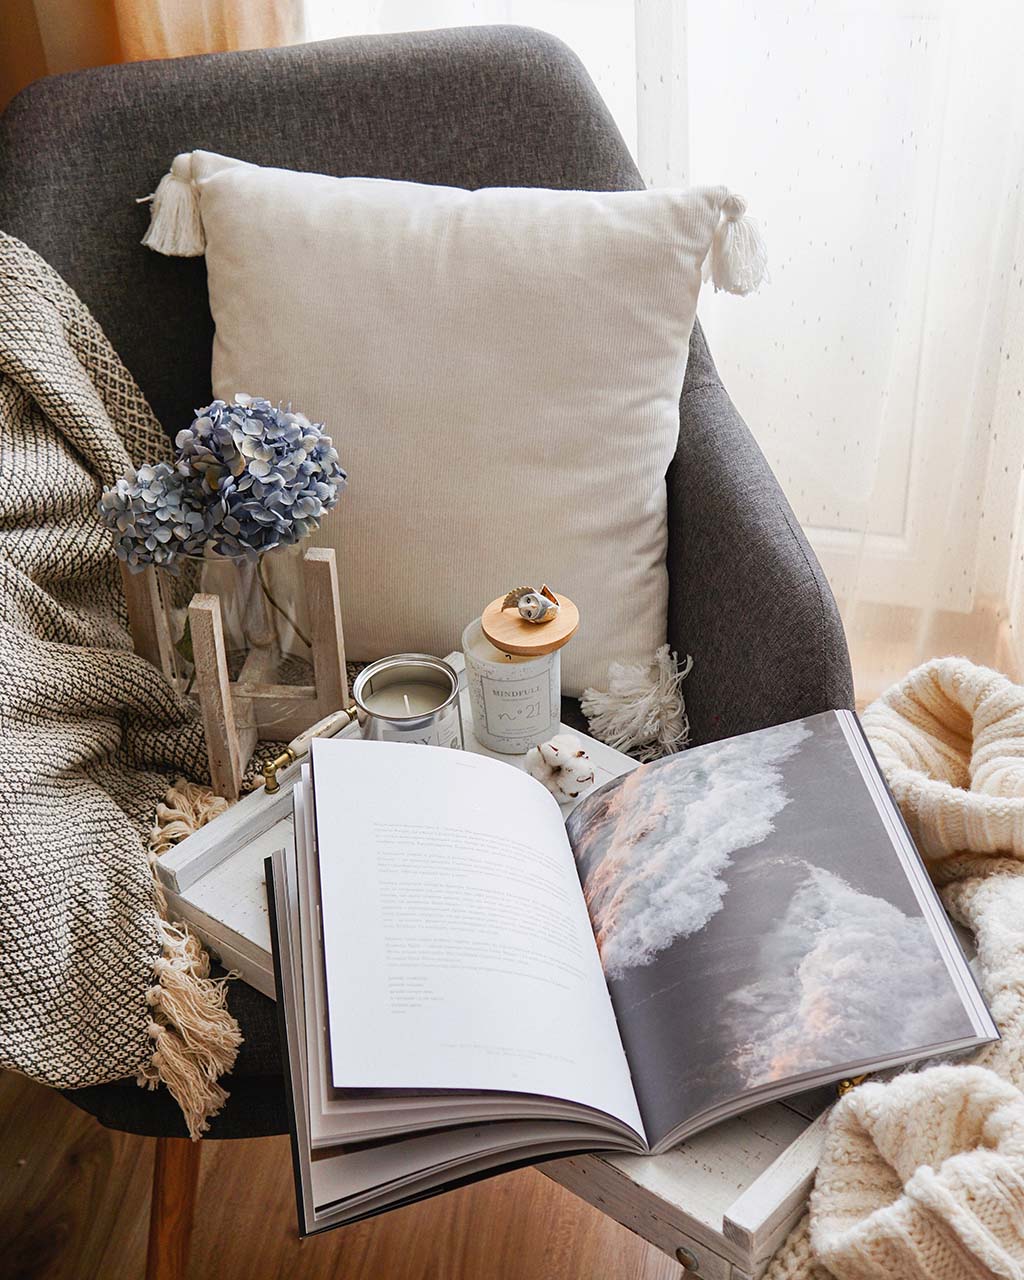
881 147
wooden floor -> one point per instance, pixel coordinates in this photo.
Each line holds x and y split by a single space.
74 1204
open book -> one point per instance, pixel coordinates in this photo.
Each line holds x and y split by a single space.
467 981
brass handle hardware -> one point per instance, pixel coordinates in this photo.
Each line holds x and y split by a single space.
844 1086
299 746
270 782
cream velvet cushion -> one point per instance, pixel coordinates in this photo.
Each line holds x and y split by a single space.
500 371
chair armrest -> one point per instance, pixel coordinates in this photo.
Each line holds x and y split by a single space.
747 597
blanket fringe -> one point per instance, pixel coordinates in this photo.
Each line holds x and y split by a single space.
185 808
195 1037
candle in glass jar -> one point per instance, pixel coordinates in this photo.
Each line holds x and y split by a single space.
516 698
477 644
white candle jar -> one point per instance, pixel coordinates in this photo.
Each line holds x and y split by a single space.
411 697
516 699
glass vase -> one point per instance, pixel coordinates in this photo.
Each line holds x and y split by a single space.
266 639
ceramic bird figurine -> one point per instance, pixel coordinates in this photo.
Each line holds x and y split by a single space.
562 765
533 605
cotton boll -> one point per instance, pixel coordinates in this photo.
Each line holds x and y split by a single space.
562 765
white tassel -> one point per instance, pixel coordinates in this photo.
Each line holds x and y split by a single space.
175 227
643 712
738 261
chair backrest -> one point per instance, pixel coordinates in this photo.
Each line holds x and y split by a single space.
473 107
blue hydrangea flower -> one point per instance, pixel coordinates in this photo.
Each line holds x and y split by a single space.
267 474
155 515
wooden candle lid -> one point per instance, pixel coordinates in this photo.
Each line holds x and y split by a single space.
510 633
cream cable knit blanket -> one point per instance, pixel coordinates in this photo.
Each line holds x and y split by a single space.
923 1178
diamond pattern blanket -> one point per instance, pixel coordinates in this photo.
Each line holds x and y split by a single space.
94 984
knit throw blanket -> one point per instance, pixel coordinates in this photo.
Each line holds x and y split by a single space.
922 1178
94 984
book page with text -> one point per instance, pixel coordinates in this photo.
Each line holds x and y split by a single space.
457 945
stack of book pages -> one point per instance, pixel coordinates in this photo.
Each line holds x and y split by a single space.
468 980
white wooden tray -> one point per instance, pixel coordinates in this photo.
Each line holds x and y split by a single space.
720 1203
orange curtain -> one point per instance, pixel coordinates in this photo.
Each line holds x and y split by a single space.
46 37
173 28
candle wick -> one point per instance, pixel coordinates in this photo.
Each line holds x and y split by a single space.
408 709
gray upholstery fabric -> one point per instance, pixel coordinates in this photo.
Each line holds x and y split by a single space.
747 597
481 107
498 106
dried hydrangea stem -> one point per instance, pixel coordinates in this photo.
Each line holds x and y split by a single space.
280 608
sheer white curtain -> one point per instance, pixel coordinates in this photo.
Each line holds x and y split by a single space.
881 146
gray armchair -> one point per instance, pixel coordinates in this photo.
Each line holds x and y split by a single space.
499 106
